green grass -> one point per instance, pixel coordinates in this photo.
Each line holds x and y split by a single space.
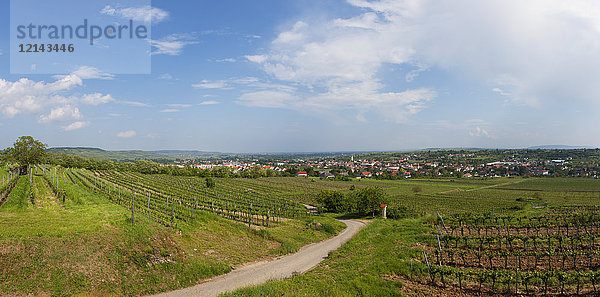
294 234
559 185
88 245
377 261
19 198
358 268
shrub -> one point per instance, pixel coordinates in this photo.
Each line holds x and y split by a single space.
398 212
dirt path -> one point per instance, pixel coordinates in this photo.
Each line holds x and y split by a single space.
496 185
284 267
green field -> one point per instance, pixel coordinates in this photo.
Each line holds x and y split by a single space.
74 235
441 195
88 244
377 262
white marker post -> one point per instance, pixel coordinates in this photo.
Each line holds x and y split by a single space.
384 211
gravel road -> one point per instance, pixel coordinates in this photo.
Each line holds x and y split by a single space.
283 267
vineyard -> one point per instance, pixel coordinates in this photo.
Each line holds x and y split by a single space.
477 236
170 200
551 252
9 181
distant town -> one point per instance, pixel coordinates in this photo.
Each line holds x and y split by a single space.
430 164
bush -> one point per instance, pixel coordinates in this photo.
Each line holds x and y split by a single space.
398 212
368 200
364 201
332 201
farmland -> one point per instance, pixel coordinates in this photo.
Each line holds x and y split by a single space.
140 233
62 235
502 236
552 252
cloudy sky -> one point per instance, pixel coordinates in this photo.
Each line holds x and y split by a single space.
314 75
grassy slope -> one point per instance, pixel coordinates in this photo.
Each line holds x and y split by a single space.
111 155
89 246
358 267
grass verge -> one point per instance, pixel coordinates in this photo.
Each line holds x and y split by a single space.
359 268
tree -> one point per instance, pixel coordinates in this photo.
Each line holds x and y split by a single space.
369 199
26 151
332 201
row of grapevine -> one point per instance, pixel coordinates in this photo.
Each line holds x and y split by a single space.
168 199
548 252
9 181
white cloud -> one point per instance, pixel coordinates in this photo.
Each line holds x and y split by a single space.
170 110
535 51
76 126
179 105
61 114
296 34
47 100
205 84
142 13
209 102
96 99
256 58
229 60
339 62
134 103
531 52
501 92
31 97
479 132
166 76
126 134
88 72
173 44
270 99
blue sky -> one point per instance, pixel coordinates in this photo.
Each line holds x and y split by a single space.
274 76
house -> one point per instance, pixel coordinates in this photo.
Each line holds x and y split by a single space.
367 174
302 174
326 174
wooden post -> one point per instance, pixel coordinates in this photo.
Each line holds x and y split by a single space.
172 209
194 209
440 248
428 267
133 208
148 204
446 229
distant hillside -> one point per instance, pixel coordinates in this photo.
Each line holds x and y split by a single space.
189 154
559 147
119 156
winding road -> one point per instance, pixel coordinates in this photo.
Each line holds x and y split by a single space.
283 267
